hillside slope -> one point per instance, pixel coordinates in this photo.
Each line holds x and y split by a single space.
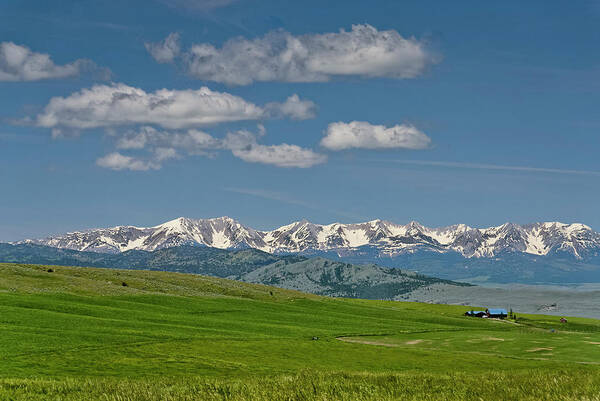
71 333
313 275
326 277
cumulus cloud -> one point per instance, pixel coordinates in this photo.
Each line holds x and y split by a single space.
243 145
361 134
192 141
165 51
19 63
162 154
294 108
280 56
283 155
119 105
160 146
165 125
117 161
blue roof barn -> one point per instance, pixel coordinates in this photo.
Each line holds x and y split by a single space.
501 313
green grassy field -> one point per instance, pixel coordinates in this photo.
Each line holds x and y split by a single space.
100 334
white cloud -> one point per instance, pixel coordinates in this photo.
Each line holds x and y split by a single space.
192 141
283 155
293 108
165 51
238 140
360 134
244 146
161 146
136 140
162 154
19 63
117 161
120 105
280 56
166 124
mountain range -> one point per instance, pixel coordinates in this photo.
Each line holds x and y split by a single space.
389 239
532 253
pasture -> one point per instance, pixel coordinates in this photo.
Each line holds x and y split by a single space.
86 334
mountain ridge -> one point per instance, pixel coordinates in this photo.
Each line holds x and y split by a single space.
380 237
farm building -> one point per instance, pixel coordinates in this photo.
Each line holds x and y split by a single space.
497 313
475 313
493 313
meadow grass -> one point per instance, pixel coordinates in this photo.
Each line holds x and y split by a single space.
87 334
306 386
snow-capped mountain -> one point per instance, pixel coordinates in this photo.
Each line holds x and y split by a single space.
382 238
223 233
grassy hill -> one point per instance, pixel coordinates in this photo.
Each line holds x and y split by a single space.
314 275
70 333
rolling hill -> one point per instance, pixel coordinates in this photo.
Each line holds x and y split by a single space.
315 275
71 333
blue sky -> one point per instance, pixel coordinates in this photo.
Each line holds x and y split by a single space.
479 113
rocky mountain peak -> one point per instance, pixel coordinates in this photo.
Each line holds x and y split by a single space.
380 237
